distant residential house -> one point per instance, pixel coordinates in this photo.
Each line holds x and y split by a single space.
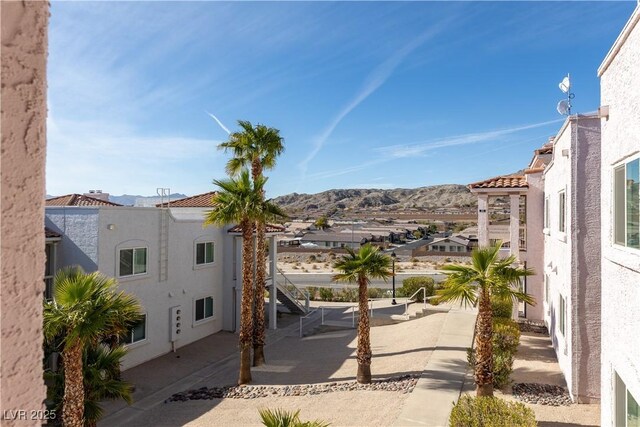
620 255
336 240
571 230
453 244
165 257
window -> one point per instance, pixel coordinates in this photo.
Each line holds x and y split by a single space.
546 212
133 261
626 194
562 320
204 253
137 333
204 308
561 211
546 289
627 408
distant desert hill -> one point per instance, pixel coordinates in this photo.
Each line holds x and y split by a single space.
430 198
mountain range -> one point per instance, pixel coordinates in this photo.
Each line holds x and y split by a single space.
452 196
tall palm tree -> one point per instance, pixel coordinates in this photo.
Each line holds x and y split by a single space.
255 147
489 275
360 267
240 200
87 307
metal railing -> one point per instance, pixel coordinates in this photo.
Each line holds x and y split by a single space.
295 294
322 309
424 299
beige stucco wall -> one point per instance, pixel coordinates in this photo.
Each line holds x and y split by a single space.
24 50
620 90
535 245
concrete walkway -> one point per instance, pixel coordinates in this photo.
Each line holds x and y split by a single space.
213 361
440 385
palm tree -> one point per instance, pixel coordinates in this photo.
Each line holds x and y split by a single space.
488 276
256 147
86 309
360 267
240 200
101 366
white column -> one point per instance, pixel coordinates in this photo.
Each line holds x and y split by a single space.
273 302
483 220
514 224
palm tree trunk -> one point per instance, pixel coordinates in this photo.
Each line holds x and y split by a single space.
363 354
258 315
484 347
73 400
246 324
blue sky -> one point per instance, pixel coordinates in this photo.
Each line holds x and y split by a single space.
366 94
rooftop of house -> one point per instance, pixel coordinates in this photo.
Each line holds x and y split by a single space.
335 237
455 239
78 200
50 234
505 181
270 229
204 200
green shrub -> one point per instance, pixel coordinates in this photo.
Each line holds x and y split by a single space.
501 308
312 292
506 338
375 293
311 258
490 412
412 284
326 294
283 418
347 295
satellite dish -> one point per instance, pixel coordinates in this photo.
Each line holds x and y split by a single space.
564 107
565 85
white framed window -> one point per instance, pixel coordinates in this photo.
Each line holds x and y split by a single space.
546 212
203 309
562 208
626 204
137 333
562 315
204 253
627 410
132 261
546 288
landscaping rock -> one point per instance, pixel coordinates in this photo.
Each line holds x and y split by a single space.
402 384
542 394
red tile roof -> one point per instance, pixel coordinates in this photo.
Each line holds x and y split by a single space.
271 228
198 201
507 181
78 200
50 234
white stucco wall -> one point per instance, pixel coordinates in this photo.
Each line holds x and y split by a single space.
97 234
620 90
557 253
535 245
572 258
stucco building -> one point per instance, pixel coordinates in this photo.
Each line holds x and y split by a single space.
187 277
572 254
620 99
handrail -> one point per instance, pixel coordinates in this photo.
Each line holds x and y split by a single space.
291 288
424 299
304 317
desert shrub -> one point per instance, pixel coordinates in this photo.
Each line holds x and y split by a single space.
311 258
347 295
506 338
283 418
294 267
490 412
501 308
415 260
434 301
412 284
375 292
326 294
312 292
447 260
314 267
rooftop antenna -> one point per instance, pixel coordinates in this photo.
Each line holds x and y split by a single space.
564 106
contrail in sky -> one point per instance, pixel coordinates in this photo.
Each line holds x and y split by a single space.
219 123
374 80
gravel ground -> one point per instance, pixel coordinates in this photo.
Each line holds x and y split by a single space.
536 363
319 362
